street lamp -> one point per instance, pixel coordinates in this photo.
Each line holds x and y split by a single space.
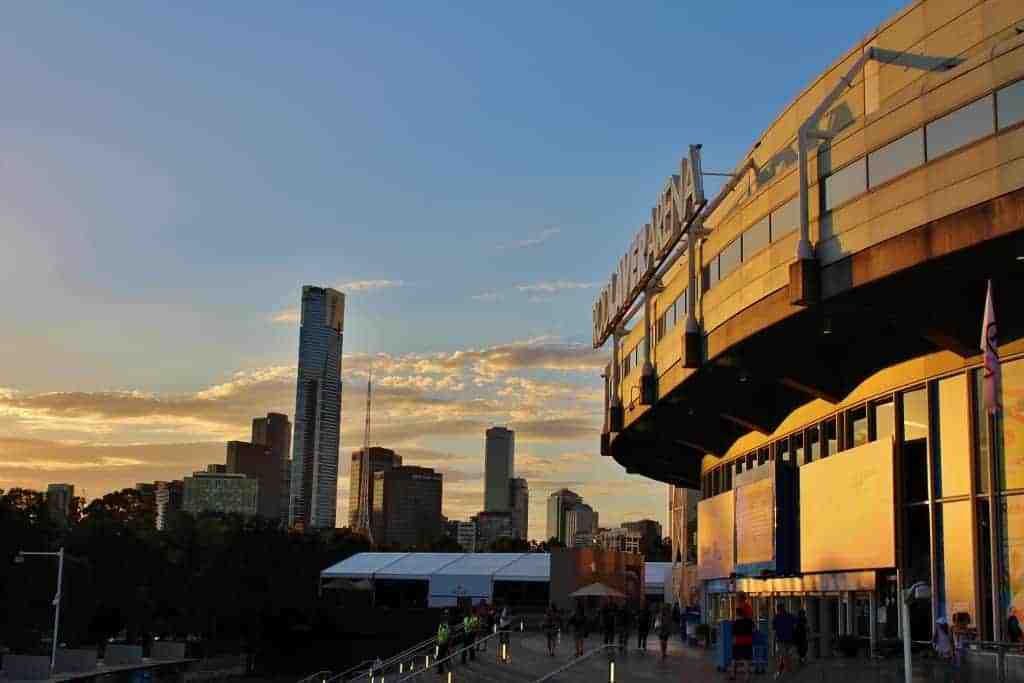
19 559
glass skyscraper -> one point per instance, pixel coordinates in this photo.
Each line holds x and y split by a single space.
316 436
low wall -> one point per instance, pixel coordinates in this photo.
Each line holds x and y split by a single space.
122 655
26 667
75 661
165 649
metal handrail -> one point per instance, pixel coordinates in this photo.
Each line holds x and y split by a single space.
569 665
319 675
368 664
453 655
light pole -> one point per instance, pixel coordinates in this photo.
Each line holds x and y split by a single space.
56 598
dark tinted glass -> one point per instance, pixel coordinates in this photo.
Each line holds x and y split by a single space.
960 127
856 427
897 157
1010 102
729 259
786 218
845 184
756 238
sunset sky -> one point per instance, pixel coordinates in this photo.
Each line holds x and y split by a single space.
468 173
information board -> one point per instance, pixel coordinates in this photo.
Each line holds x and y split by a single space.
715 536
755 524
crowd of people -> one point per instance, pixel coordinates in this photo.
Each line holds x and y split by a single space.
466 631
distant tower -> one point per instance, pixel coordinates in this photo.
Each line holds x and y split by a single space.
366 479
317 419
499 468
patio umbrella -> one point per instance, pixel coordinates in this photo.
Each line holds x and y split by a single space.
597 590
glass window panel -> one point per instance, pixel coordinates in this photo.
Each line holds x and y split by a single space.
727 478
709 274
955 561
729 259
952 453
716 482
845 184
813 450
981 436
1010 428
782 450
1010 103
960 127
762 456
751 461
757 237
830 441
856 426
786 218
796 448
915 446
1011 555
739 466
897 157
885 419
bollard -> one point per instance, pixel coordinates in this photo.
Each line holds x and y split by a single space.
611 671
401 667
450 676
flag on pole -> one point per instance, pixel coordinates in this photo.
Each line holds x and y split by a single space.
989 346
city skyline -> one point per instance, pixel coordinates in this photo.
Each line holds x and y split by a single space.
180 233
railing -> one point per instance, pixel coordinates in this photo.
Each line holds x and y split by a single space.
318 676
503 655
610 648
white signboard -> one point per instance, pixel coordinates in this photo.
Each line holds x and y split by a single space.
679 203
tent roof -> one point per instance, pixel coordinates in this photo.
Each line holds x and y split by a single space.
657 574
529 567
418 565
362 565
479 564
597 589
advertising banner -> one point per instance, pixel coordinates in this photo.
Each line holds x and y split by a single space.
715 536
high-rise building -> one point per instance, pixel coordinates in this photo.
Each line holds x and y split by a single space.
519 497
314 483
620 539
220 492
257 461
216 468
169 496
59 498
466 536
407 506
499 468
275 431
580 523
490 526
558 504
648 529
380 460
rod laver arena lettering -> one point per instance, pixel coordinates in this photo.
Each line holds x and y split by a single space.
678 206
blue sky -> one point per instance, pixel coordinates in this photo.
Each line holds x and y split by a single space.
171 175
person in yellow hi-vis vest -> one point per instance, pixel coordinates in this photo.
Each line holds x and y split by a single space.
442 644
470 626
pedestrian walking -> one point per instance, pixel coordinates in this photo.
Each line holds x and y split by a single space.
469 629
784 626
742 644
624 625
643 627
663 627
578 626
442 644
550 627
800 634
1013 628
608 623
505 624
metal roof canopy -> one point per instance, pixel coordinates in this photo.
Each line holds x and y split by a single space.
418 566
530 567
361 565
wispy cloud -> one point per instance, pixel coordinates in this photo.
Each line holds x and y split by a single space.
288 316
487 297
536 240
369 285
554 286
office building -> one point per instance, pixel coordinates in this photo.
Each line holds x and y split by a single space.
380 460
317 431
216 468
220 492
169 495
649 529
559 503
519 496
490 526
275 432
59 500
257 461
465 534
580 519
815 369
620 539
499 468
407 506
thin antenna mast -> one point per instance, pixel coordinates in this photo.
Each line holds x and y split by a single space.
366 474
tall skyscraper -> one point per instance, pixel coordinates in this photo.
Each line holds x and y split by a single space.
407 506
380 460
169 496
317 434
58 501
257 461
220 492
499 468
519 496
275 432
559 503
580 525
